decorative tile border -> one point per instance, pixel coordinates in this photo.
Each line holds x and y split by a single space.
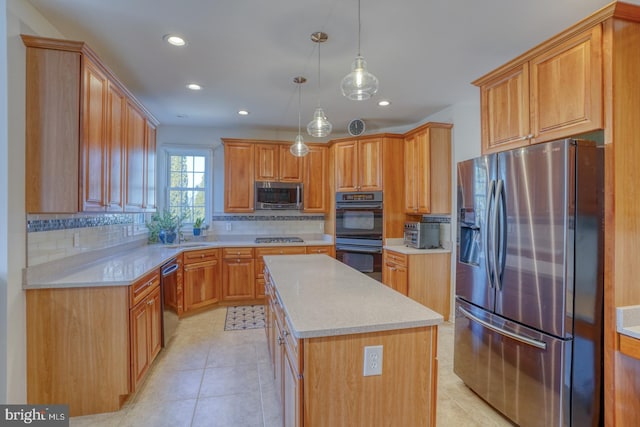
268 218
37 223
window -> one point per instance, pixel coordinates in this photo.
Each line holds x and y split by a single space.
188 189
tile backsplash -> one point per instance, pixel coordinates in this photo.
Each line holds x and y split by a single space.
263 225
54 237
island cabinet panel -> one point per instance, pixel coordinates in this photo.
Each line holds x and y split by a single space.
238 274
346 397
76 131
239 176
202 278
78 348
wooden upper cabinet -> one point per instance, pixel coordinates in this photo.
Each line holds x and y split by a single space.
358 165
504 102
52 116
553 93
274 162
566 87
315 181
79 128
116 104
427 165
239 184
93 145
150 153
135 160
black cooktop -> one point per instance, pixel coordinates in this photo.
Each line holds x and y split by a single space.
279 240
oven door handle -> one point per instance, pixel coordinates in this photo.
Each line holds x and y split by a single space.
358 206
361 249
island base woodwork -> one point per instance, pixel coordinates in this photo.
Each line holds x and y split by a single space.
335 392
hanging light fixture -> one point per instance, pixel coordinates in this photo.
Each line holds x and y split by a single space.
359 84
319 126
299 148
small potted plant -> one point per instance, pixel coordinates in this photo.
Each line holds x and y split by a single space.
197 226
164 226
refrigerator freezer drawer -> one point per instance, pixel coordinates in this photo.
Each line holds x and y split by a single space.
520 372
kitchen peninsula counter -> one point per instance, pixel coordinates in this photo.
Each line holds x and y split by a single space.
321 315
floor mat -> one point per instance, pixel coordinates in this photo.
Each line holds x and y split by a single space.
244 317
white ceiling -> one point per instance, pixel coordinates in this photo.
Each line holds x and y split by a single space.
245 53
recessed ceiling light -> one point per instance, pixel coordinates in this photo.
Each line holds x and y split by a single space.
182 116
384 103
174 40
243 112
194 86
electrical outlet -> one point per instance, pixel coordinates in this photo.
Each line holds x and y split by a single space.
227 226
372 360
76 240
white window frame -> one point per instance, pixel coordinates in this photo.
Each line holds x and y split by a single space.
178 150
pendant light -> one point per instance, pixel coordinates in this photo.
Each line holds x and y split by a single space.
299 148
319 126
359 84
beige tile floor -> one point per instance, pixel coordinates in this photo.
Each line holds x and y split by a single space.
209 377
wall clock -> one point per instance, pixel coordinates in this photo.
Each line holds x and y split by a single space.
356 127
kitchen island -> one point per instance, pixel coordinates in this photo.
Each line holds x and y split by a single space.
321 314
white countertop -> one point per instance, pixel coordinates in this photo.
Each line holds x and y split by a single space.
123 267
628 321
324 297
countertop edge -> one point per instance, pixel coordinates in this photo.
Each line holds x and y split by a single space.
413 251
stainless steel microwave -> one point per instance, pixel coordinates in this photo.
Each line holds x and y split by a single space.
278 195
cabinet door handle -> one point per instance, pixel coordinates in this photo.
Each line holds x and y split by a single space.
285 333
151 301
280 341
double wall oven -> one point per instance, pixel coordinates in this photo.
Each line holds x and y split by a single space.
359 231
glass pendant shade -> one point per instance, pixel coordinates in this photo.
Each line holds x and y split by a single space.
359 84
299 148
319 126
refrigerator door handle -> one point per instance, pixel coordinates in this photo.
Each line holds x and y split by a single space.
489 233
526 340
500 253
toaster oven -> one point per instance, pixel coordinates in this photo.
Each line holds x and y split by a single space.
422 235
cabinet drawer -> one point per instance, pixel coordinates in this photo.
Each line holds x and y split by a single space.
141 288
327 250
237 253
395 257
201 255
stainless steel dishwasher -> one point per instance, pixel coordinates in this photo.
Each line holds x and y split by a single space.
169 290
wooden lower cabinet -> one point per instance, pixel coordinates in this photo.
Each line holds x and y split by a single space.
394 271
146 335
425 278
201 278
238 274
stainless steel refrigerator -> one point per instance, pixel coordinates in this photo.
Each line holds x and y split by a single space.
529 282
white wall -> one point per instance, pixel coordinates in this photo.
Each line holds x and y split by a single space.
20 18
